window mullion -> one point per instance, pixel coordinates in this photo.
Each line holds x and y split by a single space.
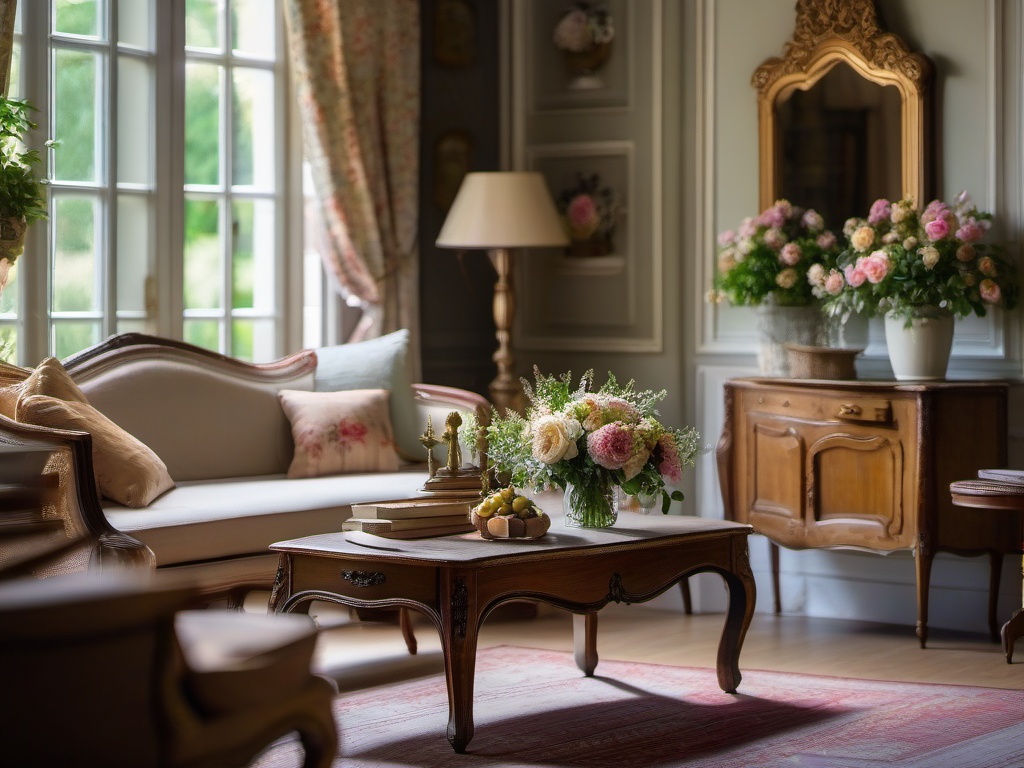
169 167
108 237
228 228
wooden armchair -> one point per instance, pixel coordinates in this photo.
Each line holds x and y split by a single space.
107 669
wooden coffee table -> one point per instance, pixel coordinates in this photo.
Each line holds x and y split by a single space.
457 580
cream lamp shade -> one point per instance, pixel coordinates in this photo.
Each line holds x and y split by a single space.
502 210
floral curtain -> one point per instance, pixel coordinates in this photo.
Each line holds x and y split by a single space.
357 70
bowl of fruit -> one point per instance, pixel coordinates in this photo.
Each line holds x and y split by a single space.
506 514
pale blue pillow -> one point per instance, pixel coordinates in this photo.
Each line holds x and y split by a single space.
381 363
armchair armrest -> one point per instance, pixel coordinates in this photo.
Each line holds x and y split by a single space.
77 501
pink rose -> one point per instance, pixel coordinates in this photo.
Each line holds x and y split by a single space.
970 232
790 254
936 209
666 456
826 241
936 229
875 266
854 275
987 266
774 238
813 221
990 292
747 228
583 217
726 238
611 446
881 209
834 282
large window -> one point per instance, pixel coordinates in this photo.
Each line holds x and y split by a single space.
169 188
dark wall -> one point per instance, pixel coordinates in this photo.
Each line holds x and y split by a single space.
459 133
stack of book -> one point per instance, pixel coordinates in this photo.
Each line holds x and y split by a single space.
411 518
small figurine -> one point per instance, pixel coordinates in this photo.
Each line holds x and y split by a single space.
429 441
451 438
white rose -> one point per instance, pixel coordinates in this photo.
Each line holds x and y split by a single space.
554 438
930 256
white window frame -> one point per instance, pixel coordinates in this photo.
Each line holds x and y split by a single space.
165 297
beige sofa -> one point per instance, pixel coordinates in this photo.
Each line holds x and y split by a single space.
218 425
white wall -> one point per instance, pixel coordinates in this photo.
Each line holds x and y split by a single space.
976 47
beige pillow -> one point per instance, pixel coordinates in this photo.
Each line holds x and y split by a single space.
49 378
12 374
335 432
127 471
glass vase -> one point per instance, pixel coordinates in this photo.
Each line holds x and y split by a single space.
591 505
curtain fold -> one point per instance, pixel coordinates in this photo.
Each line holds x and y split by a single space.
357 74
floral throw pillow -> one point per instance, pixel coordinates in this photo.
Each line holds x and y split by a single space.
337 432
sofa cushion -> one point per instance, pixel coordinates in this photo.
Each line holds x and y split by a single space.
380 363
337 432
126 470
212 519
49 378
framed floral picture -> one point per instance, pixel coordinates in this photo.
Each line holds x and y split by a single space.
581 54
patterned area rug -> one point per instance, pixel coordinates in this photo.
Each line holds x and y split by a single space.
534 708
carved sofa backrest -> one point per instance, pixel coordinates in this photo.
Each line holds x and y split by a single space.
205 415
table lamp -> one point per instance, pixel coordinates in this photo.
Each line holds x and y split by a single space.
499 211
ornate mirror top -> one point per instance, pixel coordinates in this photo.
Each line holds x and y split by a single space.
884 132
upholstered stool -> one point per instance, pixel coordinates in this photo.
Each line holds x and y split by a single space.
107 669
996 495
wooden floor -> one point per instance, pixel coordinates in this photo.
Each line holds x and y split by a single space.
363 654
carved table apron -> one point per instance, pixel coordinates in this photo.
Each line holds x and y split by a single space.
457 580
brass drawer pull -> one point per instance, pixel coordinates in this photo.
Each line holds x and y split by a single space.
849 410
364 578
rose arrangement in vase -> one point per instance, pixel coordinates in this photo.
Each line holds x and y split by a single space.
900 259
590 442
590 214
766 262
768 257
919 269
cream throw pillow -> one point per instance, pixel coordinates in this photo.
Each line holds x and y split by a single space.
127 471
49 378
335 432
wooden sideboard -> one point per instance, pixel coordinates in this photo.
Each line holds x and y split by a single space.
866 465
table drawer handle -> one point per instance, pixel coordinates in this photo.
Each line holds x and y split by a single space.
849 410
364 578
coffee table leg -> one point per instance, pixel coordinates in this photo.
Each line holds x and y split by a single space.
459 630
584 638
742 595
1012 630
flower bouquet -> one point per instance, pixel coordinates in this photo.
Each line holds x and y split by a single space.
589 214
768 258
901 260
588 442
766 262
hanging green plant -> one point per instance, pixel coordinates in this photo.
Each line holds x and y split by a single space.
22 190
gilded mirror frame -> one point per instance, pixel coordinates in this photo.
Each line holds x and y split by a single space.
829 32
